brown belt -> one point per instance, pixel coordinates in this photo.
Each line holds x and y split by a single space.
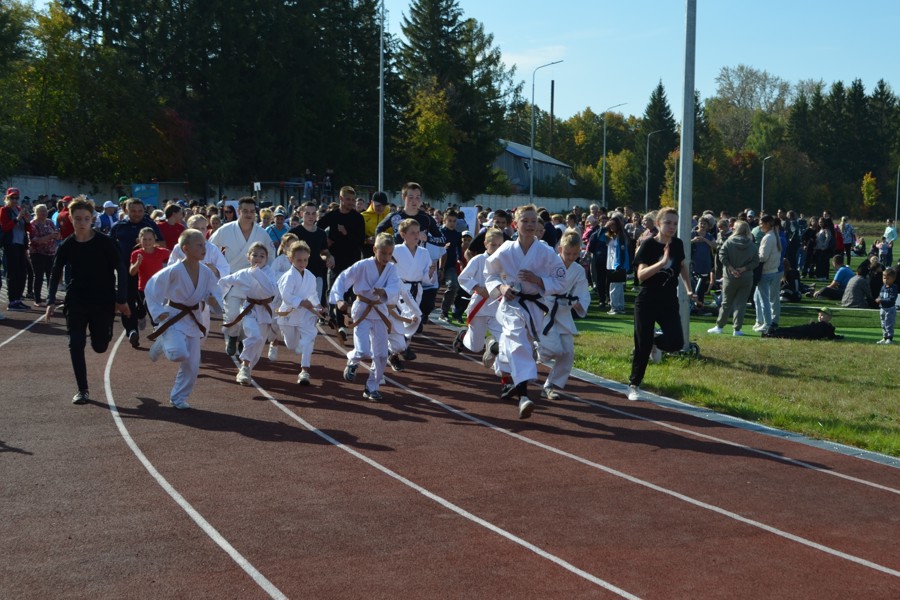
251 302
185 311
370 306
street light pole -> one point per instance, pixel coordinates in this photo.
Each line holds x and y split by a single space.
762 190
647 174
604 149
897 197
531 159
381 106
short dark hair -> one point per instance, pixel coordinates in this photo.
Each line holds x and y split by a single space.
247 200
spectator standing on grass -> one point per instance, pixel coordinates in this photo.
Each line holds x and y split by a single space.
848 236
770 259
887 302
703 245
660 267
618 263
739 255
824 248
808 250
890 236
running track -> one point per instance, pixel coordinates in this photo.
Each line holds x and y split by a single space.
277 491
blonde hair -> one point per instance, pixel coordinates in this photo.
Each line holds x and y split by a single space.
405 224
570 239
266 212
384 240
524 209
187 235
493 233
288 239
742 229
194 220
298 246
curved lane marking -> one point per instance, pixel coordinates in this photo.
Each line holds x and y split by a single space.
204 525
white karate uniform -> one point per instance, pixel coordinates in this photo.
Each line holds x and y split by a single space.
486 318
214 257
231 243
558 344
280 265
520 318
412 269
370 336
258 325
181 342
298 325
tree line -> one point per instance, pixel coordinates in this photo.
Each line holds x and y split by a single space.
232 91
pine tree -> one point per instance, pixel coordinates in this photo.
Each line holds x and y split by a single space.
657 117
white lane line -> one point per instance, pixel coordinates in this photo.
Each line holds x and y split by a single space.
767 454
204 525
652 486
21 331
444 502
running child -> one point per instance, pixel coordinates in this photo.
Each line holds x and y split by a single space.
256 285
413 265
520 272
92 296
481 314
887 300
146 261
557 340
300 308
177 298
376 284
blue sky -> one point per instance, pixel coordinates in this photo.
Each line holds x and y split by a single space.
616 52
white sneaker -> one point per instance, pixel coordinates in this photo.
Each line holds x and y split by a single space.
759 326
156 349
655 355
549 393
715 329
243 375
526 407
273 352
180 404
634 393
303 378
737 333
884 341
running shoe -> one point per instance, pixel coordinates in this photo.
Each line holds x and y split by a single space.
458 346
180 404
350 372
243 375
394 361
634 393
303 378
134 339
82 397
549 393
526 407
373 395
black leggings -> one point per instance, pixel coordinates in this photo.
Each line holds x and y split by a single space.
96 318
649 309
16 270
41 263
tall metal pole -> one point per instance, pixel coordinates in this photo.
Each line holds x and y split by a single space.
762 188
381 107
897 197
685 195
604 149
531 159
647 174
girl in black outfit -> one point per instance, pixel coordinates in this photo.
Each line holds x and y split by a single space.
659 263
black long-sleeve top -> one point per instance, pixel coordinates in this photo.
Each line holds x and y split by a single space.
94 266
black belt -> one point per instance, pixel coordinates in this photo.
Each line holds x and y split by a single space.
557 298
536 300
413 287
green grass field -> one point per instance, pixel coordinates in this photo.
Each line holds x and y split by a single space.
844 391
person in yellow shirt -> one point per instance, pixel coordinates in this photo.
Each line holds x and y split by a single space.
378 209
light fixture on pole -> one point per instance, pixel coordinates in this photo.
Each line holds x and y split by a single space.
531 159
604 149
762 190
647 174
